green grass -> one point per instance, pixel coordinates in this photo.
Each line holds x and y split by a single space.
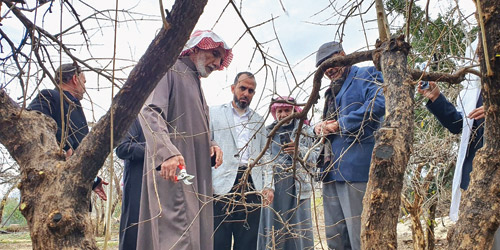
22 241
21 237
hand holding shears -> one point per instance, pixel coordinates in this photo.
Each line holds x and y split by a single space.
168 170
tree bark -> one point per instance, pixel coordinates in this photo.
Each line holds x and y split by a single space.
414 209
55 193
479 216
430 234
392 149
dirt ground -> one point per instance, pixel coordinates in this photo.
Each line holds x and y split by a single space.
21 240
404 234
405 241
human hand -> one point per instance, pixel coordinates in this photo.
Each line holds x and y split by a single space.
289 148
432 93
268 195
326 127
218 155
477 113
318 128
168 169
99 190
68 153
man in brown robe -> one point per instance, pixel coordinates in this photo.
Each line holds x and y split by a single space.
175 123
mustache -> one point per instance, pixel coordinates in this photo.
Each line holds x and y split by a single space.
333 71
212 67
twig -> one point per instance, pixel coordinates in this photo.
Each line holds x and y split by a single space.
489 71
383 27
408 21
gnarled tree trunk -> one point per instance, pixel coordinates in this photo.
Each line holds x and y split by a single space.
392 149
479 215
55 192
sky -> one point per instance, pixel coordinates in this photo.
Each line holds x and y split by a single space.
301 27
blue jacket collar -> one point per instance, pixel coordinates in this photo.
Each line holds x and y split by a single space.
347 83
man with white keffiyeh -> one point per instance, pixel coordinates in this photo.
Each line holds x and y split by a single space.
175 122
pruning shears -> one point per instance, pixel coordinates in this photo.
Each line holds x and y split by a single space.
183 175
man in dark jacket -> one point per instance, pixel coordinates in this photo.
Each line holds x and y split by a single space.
353 110
455 119
131 150
466 118
70 132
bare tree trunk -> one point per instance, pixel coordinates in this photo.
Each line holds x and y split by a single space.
55 193
417 230
415 211
392 149
480 206
431 238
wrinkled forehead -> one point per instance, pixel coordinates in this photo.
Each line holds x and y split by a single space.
222 51
247 82
284 108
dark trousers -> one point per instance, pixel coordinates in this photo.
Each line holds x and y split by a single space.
238 217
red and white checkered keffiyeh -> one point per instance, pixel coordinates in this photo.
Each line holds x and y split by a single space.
291 102
207 39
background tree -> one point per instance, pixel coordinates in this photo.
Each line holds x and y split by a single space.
479 217
441 43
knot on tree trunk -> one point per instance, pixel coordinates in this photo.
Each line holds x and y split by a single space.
32 179
384 149
384 152
395 44
55 220
64 222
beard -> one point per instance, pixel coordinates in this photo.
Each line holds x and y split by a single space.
203 70
239 104
288 123
335 73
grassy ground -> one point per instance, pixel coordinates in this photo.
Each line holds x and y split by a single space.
22 241
19 241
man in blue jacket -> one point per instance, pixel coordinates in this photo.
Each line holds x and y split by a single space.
353 110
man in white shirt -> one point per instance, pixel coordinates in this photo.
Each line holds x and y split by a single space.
240 133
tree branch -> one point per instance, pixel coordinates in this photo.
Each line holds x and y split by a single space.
158 58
